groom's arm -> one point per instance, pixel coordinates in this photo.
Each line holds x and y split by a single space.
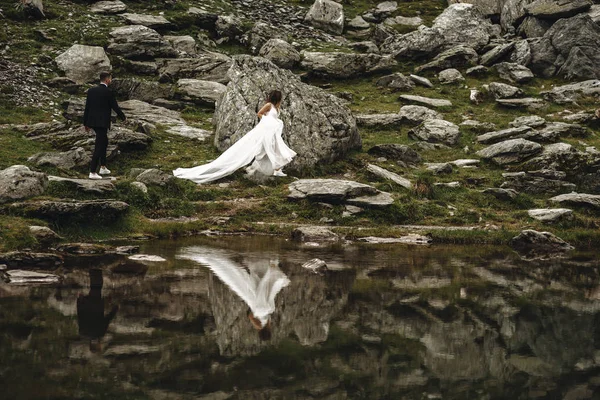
115 106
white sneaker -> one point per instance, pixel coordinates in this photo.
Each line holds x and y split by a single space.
279 173
104 171
95 176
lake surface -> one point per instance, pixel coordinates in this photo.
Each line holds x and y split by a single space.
384 322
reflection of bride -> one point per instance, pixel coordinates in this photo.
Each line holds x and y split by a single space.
257 285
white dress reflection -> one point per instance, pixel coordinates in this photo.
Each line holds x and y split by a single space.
257 285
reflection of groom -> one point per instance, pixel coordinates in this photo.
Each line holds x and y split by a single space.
90 312
98 106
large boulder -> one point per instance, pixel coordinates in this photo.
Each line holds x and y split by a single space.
260 34
570 49
282 53
19 182
185 44
579 200
108 7
459 24
86 185
345 65
83 64
557 9
571 93
208 66
545 182
513 12
326 15
510 151
561 157
397 152
151 21
317 125
455 57
138 42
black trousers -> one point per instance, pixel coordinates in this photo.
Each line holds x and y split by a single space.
99 156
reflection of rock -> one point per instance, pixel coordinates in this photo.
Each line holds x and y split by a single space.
304 308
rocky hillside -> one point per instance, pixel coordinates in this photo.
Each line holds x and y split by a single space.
405 115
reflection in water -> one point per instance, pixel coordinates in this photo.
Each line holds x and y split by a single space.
257 284
93 324
386 322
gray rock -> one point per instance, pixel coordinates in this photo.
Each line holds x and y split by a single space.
143 112
533 27
260 34
543 182
201 92
28 260
411 238
554 10
317 125
455 57
521 53
44 235
389 120
85 210
21 277
406 21
568 49
207 66
329 190
326 15
185 44
316 266
560 157
142 67
33 8
503 91
415 115
155 176
19 182
140 186
450 76
385 174
487 7
366 46
419 80
594 13
578 200
150 21
459 24
510 151
496 54
513 12
396 82
357 24
439 168
527 103
514 72
510 133
571 93
63 160
533 243
314 234
83 248
465 162
501 193
344 65
139 42
380 200
138 89
550 214
108 7
228 26
436 131
397 152
83 63
477 126
281 53
426 101
86 185
478 70
533 121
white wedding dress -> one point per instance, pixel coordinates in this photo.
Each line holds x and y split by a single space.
257 288
263 144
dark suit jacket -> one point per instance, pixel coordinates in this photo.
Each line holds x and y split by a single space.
100 101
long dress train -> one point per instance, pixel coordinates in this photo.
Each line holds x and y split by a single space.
263 144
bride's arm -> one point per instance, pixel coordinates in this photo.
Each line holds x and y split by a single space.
264 110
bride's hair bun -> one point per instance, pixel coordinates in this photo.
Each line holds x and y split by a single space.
274 97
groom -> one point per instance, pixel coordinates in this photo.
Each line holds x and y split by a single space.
98 106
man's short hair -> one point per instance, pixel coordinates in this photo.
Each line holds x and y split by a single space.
104 75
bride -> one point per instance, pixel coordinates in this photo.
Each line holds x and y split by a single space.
263 144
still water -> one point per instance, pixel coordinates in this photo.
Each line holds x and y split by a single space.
239 318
